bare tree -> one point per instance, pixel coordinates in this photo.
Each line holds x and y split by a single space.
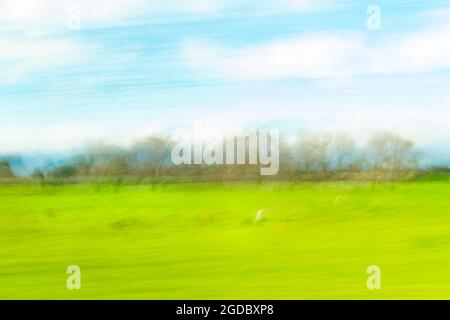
105 161
343 152
38 174
314 152
5 169
152 155
392 153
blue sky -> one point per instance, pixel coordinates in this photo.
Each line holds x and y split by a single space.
137 67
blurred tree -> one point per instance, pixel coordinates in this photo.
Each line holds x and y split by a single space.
343 152
38 174
390 152
314 152
5 169
152 155
63 172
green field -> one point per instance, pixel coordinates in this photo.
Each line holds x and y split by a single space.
201 241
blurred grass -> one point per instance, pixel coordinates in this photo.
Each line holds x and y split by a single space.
200 241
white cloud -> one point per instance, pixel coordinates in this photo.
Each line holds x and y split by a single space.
302 5
28 14
67 135
440 15
303 57
418 52
19 57
25 22
323 56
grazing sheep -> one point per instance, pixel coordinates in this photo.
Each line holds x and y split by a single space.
260 215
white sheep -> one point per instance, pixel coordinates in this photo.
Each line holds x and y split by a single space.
260 215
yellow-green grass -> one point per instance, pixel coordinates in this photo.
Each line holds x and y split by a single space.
201 241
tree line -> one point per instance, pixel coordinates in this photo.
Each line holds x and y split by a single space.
385 156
